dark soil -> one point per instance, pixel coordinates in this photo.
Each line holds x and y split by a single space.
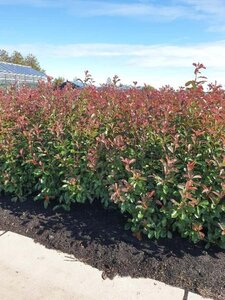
97 237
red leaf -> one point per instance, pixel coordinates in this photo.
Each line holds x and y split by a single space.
190 165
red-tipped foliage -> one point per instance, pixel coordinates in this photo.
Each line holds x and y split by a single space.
156 154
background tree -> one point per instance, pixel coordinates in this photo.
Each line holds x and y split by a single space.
31 60
4 55
58 81
17 58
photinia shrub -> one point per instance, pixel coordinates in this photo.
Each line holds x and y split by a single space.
155 154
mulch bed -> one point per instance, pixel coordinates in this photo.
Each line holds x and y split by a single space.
97 237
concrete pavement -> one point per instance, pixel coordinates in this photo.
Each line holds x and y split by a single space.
30 271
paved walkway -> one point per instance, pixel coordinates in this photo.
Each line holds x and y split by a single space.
30 271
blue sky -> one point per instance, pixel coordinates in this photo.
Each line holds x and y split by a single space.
149 41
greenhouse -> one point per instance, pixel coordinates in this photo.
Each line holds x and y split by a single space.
13 74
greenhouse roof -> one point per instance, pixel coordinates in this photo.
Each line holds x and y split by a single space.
9 68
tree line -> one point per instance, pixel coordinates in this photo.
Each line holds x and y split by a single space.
17 58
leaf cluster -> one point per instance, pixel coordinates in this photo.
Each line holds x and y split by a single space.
156 155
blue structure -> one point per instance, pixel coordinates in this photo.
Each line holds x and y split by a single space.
13 74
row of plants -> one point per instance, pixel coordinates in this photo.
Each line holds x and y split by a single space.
155 154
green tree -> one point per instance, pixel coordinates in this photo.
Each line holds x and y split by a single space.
58 81
17 58
31 60
4 55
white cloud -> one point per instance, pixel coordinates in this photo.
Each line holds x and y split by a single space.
156 64
162 55
211 54
210 11
217 28
35 3
172 8
215 7
98 8
145 9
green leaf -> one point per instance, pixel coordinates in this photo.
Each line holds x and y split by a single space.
204 203
174 214
183 215
150 234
